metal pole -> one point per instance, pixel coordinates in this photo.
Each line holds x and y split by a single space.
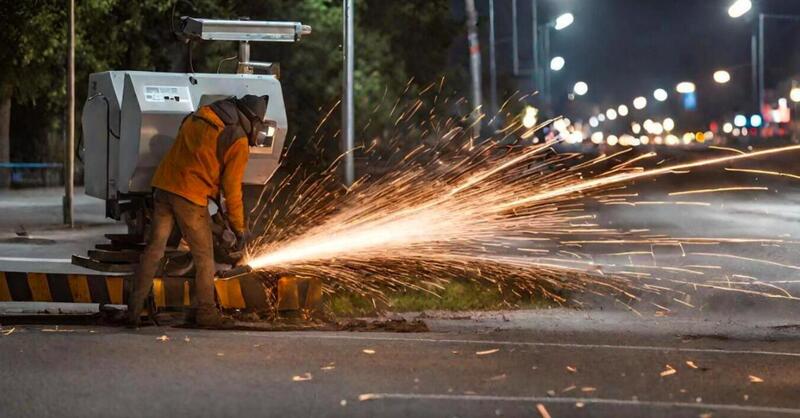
69 152
348 130
514 38
760 62
475 66
535 37
492 60
545 68
754 69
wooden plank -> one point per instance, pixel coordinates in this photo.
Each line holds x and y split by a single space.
125 238
105 267
40 290
121 256
79 287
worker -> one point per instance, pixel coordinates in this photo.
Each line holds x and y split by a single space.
209 156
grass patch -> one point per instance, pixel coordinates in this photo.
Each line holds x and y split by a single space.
457 296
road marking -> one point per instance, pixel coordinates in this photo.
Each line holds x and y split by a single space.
539 344
37 260
545 399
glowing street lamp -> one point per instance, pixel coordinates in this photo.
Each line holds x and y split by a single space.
557 63
740 121
622 110
794 94
685 87
580 88
611 114
639 103
660 95
563 21
739 8
722 77
668 124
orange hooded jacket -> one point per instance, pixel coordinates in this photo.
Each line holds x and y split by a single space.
197 166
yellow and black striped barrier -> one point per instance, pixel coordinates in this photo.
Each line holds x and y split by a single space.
170 292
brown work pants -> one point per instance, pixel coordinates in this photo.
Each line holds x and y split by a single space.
194 223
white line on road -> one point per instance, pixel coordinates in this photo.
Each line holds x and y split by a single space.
543 399
35 260
541 344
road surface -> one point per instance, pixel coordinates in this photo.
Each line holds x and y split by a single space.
576 364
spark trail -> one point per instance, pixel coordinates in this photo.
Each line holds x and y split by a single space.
513 216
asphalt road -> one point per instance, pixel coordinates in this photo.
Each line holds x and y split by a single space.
574 364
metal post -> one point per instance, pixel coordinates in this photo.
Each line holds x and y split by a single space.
760 63
492 60
535 37
545 67
475 65
69 152
754 70
348 130
514 38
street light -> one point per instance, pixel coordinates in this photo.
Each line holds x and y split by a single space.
739 8
557 63
611 114
580 88
794 94
685 87
563 21
660 95
622 110
722 76
740 121
668 124
639 103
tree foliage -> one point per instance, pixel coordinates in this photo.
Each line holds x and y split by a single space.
395 42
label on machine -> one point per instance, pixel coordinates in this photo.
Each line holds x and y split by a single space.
161 94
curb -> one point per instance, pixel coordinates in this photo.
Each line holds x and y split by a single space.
169 292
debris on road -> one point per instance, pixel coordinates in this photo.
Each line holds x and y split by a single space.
572 369
542 410
302 378
487 352
691 364
368 351
755 379
330 366
57 329
9 332
497 378
162 338
669 371
588 389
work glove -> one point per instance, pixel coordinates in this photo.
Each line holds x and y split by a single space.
242 237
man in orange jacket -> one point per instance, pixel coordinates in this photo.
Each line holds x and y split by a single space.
209 156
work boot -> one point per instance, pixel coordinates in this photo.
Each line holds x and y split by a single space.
136 303
211 318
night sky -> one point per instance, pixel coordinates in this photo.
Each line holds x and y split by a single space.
627 48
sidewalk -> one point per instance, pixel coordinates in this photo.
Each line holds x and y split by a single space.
50 244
